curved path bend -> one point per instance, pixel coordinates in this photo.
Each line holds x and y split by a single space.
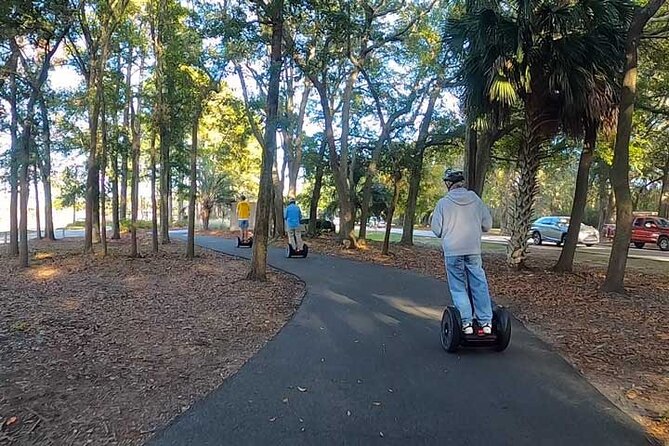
365 346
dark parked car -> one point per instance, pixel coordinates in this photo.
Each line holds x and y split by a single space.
322 225
554 229
651 230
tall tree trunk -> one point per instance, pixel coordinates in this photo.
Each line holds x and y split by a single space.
14 201
123 199
125 147
154 204
277 205
103 170
38 223
170 202
13 157
339 163
164 185
116 223
566 260
416 169
258 269
293 135
603 196
24 190
369 181
134 191
190 249
163 124
26 138
97 237
24 180
181 212
391 211
206 215
94 98
486 139
615 274
316 194
524 194
471 154
45 170
663 207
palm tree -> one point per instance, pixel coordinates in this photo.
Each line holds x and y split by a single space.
213 188
550 60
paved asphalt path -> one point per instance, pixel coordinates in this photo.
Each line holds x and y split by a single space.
365 346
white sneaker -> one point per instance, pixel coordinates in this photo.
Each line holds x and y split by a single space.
468 329
487 329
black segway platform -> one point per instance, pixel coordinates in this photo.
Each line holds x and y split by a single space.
453 338
244 243
290 252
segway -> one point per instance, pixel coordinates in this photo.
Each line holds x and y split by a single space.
453 338
290 252
244 243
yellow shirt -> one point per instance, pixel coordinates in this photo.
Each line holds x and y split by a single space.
243 210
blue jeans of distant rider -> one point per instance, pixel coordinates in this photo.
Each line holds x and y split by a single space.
467 271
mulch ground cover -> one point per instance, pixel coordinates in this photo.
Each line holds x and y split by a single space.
105 351
619 343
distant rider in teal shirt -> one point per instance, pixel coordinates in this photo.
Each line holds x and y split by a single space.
293 216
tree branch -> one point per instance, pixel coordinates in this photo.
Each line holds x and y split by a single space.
252 122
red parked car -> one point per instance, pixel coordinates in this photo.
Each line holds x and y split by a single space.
651 230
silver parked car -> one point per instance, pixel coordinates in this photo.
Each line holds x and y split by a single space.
554 229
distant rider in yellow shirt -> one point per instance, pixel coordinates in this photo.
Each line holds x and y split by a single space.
243 214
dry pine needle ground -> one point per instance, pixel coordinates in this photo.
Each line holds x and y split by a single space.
106 350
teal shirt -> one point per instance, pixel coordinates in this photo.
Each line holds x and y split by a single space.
292 215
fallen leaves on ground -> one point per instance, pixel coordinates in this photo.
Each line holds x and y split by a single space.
618 342
107 350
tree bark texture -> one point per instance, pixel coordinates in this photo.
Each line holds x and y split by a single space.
416 170
190 248
136 139
566 261
526 189
13 157
391 211
258 269
44 161
103 171
154 204
615 274
316 193
38 223
663 208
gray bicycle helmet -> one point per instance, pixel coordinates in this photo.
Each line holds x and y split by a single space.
453 176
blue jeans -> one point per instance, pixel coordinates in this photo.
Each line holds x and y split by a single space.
463 272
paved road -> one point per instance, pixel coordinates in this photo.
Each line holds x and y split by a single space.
365 346
649 252
60 233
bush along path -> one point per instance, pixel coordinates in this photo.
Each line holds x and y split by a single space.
361 363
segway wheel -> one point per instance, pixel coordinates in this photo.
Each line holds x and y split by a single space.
289 251
250 242
305 251
239 242
502 325
450 330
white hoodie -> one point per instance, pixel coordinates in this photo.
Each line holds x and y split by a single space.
458 220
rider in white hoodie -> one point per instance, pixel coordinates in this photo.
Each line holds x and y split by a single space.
459 219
